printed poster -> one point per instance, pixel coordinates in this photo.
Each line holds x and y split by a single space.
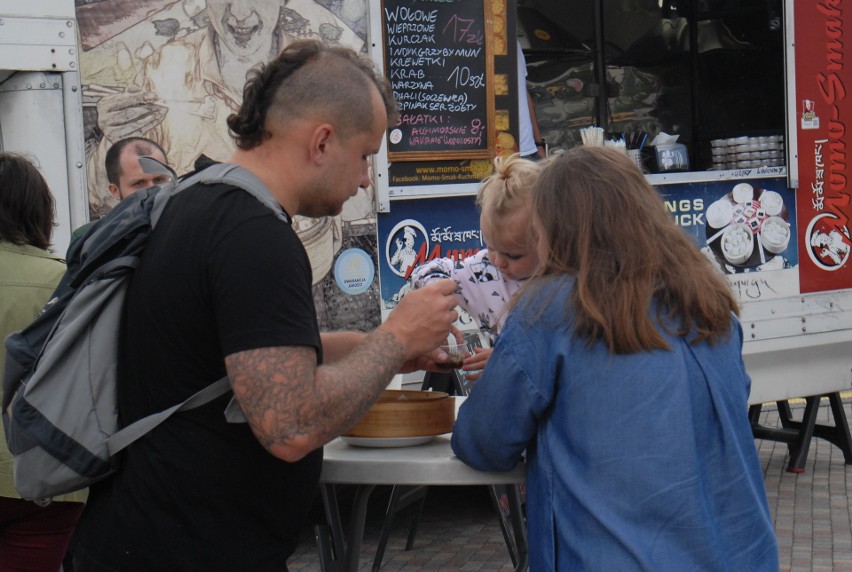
762 213
419 230
746 227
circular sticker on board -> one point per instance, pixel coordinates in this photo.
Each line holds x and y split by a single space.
354 271
395 136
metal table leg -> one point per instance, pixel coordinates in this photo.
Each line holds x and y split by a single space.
346 550
519 526
331 562
356 527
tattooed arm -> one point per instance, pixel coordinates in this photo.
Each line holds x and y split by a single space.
294 406
337 345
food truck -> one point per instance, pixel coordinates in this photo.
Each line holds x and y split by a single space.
735 109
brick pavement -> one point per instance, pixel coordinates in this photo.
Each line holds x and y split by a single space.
458 529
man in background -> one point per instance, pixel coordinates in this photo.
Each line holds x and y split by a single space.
124 173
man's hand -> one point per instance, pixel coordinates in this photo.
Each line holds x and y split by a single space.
423 319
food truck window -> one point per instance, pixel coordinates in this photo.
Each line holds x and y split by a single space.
700 69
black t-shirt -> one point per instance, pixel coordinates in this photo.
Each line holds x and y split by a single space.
221 274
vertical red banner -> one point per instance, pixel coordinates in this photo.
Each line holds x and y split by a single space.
824 115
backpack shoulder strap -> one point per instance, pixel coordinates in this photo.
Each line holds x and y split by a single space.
121 439
247 181
217 173
214 174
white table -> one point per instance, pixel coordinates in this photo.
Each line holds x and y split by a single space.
430 464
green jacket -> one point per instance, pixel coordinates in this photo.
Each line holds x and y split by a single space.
28 276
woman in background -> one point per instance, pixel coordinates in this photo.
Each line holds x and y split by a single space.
32 537
619 371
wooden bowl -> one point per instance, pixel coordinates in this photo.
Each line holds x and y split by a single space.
407 413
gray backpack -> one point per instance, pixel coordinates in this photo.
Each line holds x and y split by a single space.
59 385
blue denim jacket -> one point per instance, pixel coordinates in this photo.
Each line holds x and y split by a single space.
634 462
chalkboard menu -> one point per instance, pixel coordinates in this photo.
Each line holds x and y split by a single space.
438 58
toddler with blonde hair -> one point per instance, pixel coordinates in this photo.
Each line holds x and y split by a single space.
488 279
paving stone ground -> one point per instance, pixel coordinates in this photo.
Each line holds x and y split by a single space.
458 529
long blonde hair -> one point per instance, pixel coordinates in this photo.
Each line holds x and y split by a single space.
602 222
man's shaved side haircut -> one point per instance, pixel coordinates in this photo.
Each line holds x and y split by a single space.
311 80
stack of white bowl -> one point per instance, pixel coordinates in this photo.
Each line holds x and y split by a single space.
747 152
